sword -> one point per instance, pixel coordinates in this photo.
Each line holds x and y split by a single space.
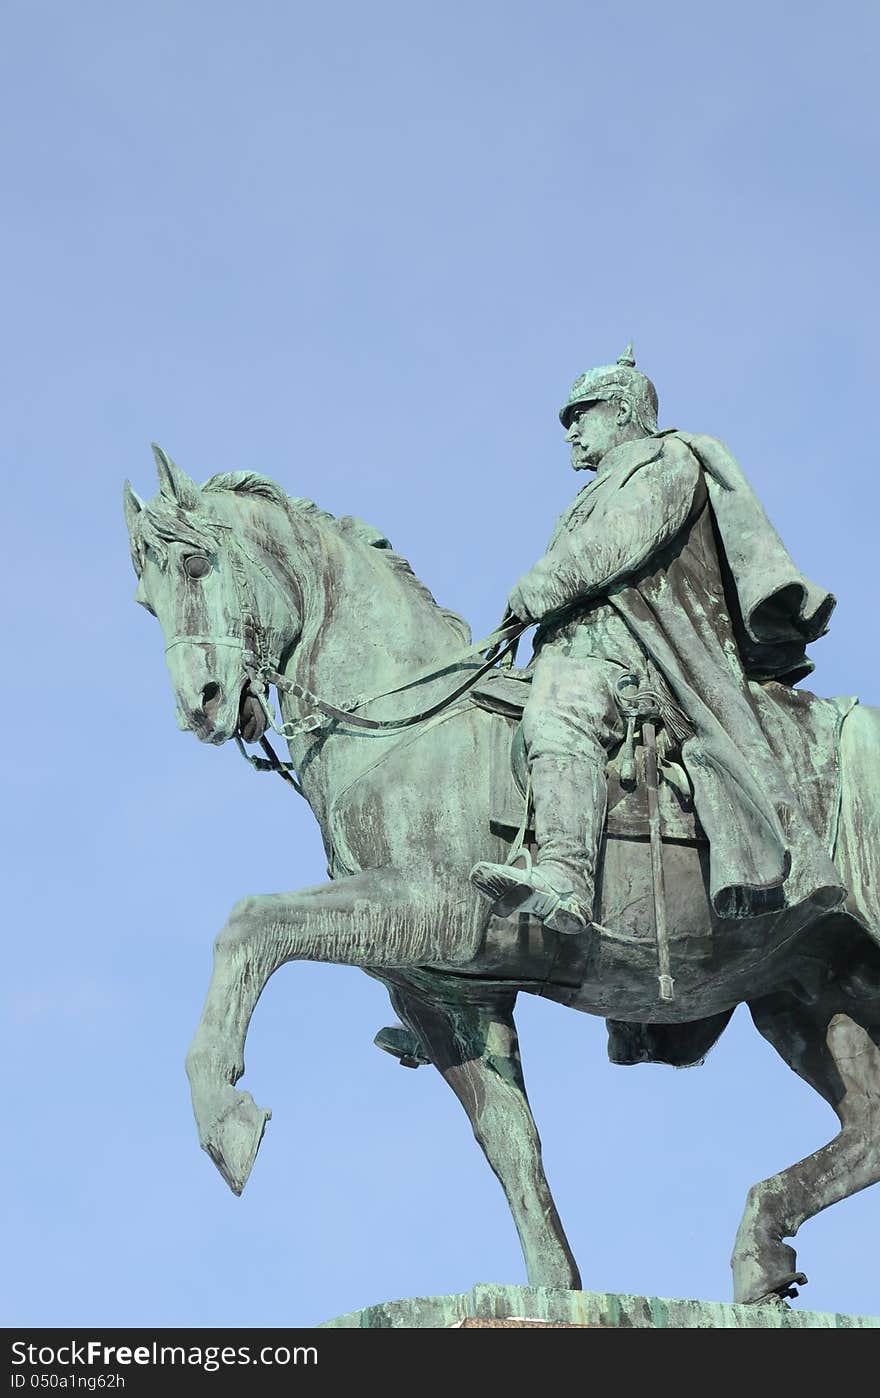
664 969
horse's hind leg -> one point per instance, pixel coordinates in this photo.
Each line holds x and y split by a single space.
473 1043
840 1058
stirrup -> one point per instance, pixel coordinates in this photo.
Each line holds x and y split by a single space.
511 890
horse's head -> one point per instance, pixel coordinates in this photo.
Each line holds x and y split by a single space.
224 615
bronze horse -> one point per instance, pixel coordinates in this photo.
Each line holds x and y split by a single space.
249 584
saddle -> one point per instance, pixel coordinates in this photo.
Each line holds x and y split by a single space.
506 692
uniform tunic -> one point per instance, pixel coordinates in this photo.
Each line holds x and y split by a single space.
666 564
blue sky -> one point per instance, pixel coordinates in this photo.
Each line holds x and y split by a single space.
365 249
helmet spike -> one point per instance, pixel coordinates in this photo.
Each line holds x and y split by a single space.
628 359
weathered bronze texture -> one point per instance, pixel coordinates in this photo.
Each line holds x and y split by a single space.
516 1307
680 830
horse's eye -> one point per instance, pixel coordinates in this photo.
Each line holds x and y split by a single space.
197 565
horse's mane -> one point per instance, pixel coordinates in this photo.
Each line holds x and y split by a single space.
160 524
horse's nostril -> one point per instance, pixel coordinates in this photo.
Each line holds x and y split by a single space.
210 695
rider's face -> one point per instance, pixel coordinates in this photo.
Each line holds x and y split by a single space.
594 428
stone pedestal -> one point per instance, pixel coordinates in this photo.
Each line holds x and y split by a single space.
488 1306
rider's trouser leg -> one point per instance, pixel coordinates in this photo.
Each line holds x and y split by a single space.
570 722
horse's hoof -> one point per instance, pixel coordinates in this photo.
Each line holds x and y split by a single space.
234 1137
779 1294
787 1287
773 1299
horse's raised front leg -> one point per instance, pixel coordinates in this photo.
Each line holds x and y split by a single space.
378 918
841 1060
472 1042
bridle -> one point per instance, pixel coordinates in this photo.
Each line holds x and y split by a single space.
261 658
260 645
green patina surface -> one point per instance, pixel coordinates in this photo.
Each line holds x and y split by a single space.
597 1309
672 627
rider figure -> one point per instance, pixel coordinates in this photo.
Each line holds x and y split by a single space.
664 573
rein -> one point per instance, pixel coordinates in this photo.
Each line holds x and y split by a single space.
499 643
496 647
258 649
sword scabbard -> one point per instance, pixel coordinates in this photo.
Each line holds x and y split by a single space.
664 969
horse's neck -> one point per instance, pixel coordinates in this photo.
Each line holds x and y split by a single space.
366 629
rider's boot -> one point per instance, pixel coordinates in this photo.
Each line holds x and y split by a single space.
569 796
403 1045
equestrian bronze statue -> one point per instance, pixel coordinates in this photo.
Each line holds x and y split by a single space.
650 822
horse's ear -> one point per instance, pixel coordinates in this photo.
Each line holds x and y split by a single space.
132 504
175 484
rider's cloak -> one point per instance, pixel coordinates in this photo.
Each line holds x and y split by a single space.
671 535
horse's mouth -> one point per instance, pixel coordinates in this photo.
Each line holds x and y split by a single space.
252 720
